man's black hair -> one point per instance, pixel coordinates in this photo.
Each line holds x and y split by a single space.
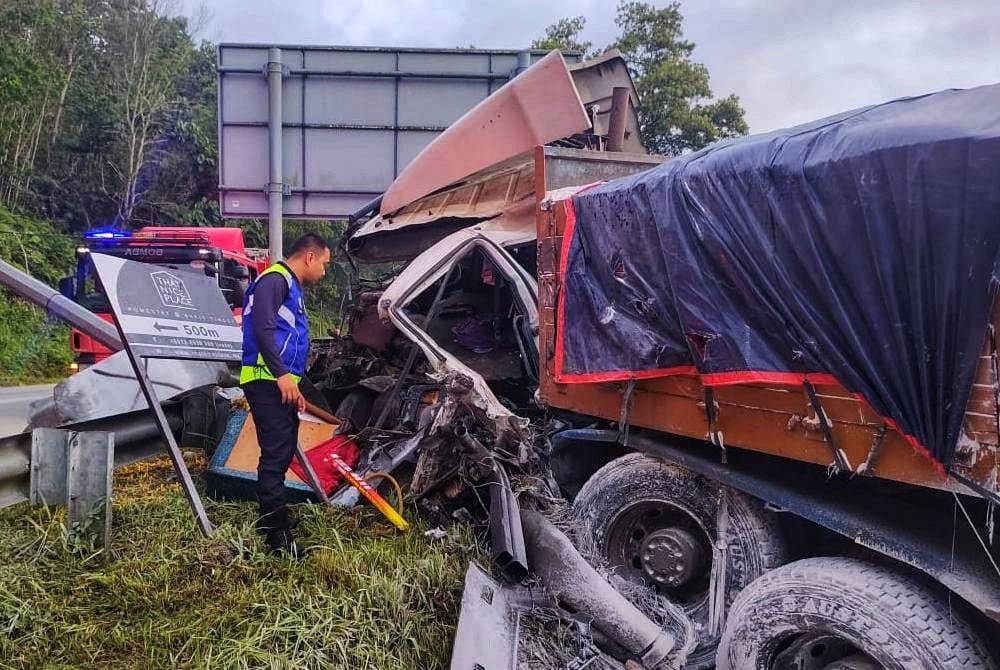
308 242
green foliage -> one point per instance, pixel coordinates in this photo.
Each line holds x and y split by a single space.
165 597
324 301
109 113
564 35
676 112
32 348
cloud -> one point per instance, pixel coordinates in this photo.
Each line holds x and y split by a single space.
789 61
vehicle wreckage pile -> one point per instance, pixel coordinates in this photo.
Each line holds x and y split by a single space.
437 373
482 460
467 464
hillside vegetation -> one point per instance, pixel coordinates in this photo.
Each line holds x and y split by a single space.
33 349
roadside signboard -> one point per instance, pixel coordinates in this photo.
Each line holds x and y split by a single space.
169 313
351 118
166 312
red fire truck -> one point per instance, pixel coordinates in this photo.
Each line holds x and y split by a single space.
216 252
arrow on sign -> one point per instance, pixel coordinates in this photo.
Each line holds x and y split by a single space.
161 328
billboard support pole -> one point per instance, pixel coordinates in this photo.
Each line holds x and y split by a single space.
523 62
275 182
167 435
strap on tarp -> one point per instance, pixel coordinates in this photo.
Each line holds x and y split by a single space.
712 415
840 463
623 422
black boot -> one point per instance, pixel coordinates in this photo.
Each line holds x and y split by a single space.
282 542
276 520
276 526
273 520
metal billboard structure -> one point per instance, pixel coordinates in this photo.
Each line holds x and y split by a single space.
327 129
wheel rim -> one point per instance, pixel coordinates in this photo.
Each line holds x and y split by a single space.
821 651
664 546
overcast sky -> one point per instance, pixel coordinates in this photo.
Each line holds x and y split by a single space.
789 60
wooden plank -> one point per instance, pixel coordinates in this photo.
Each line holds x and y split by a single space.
246 452
764 431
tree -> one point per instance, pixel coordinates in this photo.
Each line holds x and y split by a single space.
108 113
148 54
28 76
676 113
564 35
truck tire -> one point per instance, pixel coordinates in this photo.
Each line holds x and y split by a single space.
648 519
844 613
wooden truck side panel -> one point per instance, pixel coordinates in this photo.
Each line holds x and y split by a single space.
767 418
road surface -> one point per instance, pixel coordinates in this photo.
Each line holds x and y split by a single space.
14 401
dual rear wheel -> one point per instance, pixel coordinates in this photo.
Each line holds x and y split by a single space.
689 538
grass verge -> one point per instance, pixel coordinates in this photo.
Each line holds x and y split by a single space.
164 597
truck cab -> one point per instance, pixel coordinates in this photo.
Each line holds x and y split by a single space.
216 252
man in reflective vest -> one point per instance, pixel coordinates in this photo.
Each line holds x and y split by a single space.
275 346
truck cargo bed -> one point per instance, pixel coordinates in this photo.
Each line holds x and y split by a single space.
768 418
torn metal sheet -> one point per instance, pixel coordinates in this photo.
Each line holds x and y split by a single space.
539 106
110 388
595 80
488 623
425 221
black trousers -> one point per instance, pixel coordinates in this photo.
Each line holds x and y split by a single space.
277 433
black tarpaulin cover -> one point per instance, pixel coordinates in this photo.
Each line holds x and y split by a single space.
858 249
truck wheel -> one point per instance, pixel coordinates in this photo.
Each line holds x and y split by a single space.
657 523
845 614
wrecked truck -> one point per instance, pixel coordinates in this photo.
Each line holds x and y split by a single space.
670 396
790 344
766 381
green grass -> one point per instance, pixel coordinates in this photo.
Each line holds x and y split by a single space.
164 597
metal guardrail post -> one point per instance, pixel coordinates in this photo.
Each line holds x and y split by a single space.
15 464
74 469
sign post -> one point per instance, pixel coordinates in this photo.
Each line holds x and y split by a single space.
169 313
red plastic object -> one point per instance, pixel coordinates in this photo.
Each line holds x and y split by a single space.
319 457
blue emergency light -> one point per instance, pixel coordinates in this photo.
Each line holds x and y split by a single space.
106 234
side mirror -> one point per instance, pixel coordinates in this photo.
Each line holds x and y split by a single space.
67 287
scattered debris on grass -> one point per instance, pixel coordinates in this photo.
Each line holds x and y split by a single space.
163 596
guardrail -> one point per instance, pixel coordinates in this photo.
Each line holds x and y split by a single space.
136 438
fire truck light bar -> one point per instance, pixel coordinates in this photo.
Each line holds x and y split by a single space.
106 234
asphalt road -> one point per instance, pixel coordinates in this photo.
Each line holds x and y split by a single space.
14 401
